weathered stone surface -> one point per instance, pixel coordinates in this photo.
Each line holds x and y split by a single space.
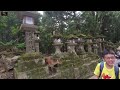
15 58
3 76
9 65
22 75
2 70
36 61
10 75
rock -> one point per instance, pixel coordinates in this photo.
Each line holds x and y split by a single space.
14 60
8 59
3 56
10 62
10 75
22 75
3 76
15 57
2 70
9 66
43 62
36 60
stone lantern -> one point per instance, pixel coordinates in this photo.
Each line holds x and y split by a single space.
28 26
71 45
81 43
95 46
100 41
89 43
57 43
103 42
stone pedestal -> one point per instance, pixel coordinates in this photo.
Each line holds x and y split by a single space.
89 42
100 44
81 46
103 45
29 37
71 46
57 48
57 44
95 46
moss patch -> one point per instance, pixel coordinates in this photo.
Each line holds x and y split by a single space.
92 66
28 65
31 56
68 74
83 71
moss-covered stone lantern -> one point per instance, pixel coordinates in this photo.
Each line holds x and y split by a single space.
29 19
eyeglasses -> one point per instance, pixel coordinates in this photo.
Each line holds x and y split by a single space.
110 57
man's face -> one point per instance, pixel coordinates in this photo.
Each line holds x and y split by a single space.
109 59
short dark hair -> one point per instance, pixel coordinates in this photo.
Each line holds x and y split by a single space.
108 52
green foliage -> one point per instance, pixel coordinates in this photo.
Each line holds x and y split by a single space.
20 45
2 44
67 23
11 43
9 29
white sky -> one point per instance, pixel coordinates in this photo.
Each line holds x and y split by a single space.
41 12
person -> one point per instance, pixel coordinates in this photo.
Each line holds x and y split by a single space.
118 52
108 70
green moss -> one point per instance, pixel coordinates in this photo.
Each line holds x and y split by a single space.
87 60
71 36
31 56
66 74
34 74
83 56
70 56
89 37
42 73
63 67
81 53
77 64
81 35
57 36
37 73
66 62
92 66
83 71
28 65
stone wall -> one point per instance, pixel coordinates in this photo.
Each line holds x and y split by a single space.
72 67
